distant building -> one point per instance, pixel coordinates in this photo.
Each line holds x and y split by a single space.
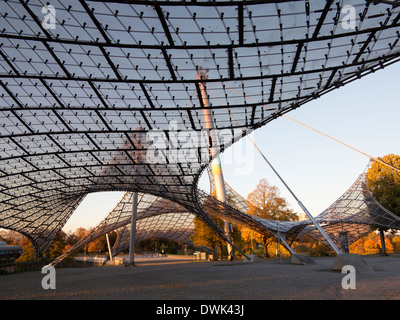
8 255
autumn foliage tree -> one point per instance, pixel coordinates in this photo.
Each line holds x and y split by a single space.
371 244
205 236
384 182
98 245
61 243
16 238
265 202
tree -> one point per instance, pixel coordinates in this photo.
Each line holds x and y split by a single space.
371 244
98 245
384 183
28 252
265 202
15 238
205 236
57 247
79 234
396 243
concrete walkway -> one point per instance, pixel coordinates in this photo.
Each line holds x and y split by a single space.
186 280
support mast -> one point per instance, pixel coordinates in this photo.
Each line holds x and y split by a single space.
216 163
133 229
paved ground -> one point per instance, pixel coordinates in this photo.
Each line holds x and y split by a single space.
185 280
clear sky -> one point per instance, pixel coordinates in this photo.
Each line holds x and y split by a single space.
364 114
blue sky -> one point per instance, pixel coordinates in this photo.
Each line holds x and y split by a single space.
363 114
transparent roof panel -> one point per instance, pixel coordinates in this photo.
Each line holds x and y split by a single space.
112 95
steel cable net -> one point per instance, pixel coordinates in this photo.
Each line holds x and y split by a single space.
105 95
355 212
157 218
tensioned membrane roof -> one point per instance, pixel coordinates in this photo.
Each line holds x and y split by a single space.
106 95
157 218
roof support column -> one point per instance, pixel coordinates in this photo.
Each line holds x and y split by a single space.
109 248
215 163
131 261
383 246
282 238
316 224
